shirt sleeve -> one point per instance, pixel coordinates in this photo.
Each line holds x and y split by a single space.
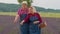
40 19
27 18
19 10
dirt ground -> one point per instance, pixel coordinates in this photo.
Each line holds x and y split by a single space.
7 26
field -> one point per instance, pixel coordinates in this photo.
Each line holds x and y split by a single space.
43 14
7 26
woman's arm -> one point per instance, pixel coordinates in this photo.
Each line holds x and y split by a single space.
18 15
16 18
27 18
40 19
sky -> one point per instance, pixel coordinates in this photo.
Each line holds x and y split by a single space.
53 4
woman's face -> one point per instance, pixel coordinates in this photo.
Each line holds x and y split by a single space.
31 10
24 5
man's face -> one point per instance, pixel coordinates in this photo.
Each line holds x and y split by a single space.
24 5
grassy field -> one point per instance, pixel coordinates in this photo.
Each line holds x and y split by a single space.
8 13
43 14
48 14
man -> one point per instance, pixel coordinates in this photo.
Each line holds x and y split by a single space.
22 13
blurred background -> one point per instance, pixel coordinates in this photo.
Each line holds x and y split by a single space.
48 9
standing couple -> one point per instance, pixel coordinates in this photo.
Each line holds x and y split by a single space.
29 19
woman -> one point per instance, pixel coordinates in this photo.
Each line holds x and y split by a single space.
22 13
34 21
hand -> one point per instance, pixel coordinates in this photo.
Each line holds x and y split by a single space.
36 22
22 23
45 23
15 21
42 25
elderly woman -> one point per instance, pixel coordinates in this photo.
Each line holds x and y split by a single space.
22 13
34 21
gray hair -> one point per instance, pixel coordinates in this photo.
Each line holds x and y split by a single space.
34 9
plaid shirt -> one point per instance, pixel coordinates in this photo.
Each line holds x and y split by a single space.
21 11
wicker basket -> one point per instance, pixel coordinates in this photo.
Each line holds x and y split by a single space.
43 25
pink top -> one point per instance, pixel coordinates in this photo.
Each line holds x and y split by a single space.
22 11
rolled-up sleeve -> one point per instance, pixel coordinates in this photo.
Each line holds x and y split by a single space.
19 11
27 18
40 19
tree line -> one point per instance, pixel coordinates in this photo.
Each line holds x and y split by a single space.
14 7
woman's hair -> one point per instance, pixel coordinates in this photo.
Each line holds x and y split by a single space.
34 9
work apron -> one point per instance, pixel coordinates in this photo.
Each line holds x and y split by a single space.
34 28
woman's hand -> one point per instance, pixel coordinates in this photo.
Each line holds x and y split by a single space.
16 19
42 25
22 22
36 22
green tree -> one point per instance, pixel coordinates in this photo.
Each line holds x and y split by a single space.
28 1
